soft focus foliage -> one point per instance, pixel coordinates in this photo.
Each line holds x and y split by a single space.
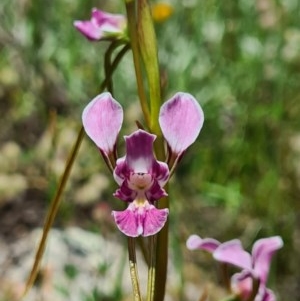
241 61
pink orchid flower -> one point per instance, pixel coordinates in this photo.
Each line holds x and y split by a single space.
140 176
254 266
102 25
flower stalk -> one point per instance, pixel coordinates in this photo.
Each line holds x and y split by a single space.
52 212
133 269
148 48
132 23
151 268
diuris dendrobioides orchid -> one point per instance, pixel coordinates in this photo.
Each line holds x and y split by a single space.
140 176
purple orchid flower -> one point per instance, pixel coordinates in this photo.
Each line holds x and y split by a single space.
102 25
140 176
255 266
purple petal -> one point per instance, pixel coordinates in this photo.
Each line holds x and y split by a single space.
139 151
181 119
262 253
101 25
241 284
102 120
233 253
267 296
89 29
140 169
154 221
125 193
155 192
110 23
139 219
196 242
140 158
127 221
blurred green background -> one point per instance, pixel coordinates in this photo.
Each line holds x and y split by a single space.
239 58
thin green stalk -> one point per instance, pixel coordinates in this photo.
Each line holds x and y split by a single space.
113 67
53 209
225 276
149 53
52 212
161 264
162 256
107 64
151 268
131 17
133 269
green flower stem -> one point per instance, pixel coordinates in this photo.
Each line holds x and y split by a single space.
161 263
151 268
148 49
161 256
113 66
52 212
107 63
53 209
133 269
225 276
131 17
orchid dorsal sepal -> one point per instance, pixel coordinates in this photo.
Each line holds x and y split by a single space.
102 119
103 26
181 119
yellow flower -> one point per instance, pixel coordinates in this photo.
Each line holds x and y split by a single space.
161 11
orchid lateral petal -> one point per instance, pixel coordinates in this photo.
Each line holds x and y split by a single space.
207 244
181 119
155 192
233 253
101 25
262 253
125 193
102 119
